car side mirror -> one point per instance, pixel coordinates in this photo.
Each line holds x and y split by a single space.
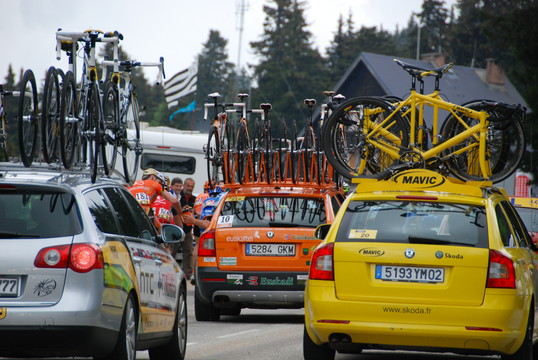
172 234
321 231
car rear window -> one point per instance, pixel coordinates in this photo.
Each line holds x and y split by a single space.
242 211
38 214
414 222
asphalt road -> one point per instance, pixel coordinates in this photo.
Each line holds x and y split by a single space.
267 335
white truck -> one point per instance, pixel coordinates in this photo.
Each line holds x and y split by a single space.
174 152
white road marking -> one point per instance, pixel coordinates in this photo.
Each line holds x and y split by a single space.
237 333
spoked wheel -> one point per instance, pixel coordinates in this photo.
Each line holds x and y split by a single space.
131 147
308 149
243 148
69 125
28 118
93 130
111 112
214 158
293 153
354 129
50 116
505 144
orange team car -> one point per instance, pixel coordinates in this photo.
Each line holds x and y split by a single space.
256 251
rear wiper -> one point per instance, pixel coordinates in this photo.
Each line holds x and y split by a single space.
280 224
7 235
428 240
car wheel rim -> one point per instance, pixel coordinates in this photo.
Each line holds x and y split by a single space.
130 331
182 324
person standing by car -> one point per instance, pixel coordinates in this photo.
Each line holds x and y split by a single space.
146 191
176 186
187 202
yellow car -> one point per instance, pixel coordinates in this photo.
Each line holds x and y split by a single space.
423 262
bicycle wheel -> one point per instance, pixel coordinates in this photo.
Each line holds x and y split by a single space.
28 118
357 132
505 144
69 137
50 117
243 148
308 148
293 152
131 146
214 158
111 117
93 130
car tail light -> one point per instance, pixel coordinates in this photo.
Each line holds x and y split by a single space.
501 273
321 267
206 247
78 257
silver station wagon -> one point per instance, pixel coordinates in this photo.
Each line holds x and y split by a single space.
83 272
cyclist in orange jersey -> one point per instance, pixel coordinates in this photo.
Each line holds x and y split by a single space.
146 191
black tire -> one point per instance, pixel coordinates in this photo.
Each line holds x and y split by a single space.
312 351
505 147
204 312
345 141
125 348
69 124
243 148
111 119
293 153
308 149
525 351
214 158
50 116
177 347
93 126
28 118
131 148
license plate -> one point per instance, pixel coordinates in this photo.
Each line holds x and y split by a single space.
9 287
410 274
270 249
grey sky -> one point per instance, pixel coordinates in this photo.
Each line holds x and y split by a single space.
175 29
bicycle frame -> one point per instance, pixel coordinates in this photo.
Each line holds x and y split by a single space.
415 104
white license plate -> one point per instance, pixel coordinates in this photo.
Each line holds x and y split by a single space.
270 249
410 274
9 287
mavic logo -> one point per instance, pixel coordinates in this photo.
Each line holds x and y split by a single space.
371 252
419 178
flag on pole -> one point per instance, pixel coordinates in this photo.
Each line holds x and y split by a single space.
181 84
188 108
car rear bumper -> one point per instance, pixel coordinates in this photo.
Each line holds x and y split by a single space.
50 341
496 326
250 289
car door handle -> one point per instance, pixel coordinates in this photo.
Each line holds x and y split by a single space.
137 260
159 262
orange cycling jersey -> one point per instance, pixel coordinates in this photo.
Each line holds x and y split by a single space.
145 192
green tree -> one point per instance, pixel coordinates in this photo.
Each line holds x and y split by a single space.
341 52
290 69
433 18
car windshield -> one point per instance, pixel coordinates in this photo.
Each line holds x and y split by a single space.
242 211
414 222
529 217
38 215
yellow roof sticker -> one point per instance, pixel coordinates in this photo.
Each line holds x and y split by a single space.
530 202
421 180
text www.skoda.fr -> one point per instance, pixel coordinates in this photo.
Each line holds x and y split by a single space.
407 310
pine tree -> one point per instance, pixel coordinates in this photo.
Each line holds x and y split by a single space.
290 70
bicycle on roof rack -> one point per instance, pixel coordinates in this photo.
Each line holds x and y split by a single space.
81 125
27 119
481 140
122 112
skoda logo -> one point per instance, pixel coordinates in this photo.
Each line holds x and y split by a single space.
270 234
409 253
439 254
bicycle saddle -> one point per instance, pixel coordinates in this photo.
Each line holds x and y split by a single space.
418 71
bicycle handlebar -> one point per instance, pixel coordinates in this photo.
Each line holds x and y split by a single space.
129 64
110 37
